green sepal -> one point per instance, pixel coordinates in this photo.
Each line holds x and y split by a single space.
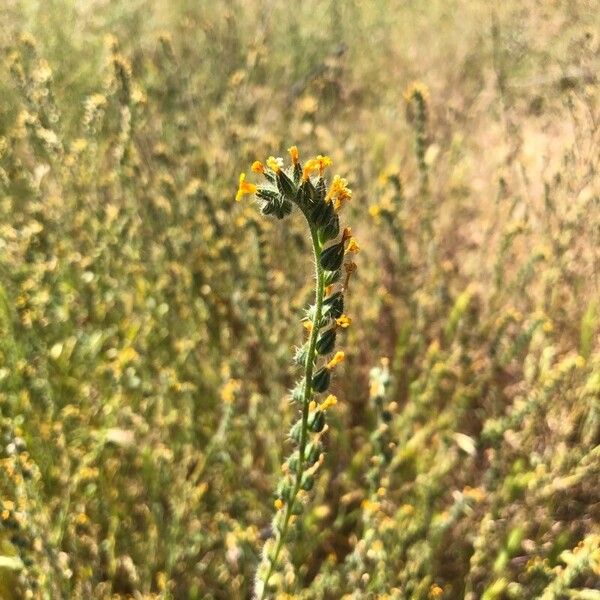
283 207
270 176
296 431
331 277
284 490
286 186
293 461
298 393
268 208
266 193
301 354
321 190
312 453
297 173
331 230
322 213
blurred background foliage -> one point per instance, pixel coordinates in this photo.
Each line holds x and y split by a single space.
147 321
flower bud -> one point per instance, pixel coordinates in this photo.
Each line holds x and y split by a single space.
332 257
293 461
284 490
316 421
296 431
297 507
307 482
321 380
331 230
322 213
326 341
335 304
313 451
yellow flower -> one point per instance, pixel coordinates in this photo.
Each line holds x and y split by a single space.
352 246
274 163
323 161
330 401
316 163
338 192
309 166
244 188
278 504
81 519
369 505
435 591
339 357
343 321
257 167
293 150
229 390
375 210
307 325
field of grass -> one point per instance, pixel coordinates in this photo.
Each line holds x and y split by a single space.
149 322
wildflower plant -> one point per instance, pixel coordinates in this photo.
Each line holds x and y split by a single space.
304 186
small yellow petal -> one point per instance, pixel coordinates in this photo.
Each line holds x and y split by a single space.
244 187
343 321
352 246
330 401
339 357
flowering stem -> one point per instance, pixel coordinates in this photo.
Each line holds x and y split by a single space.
306 398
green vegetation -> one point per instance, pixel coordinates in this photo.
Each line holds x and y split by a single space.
148 320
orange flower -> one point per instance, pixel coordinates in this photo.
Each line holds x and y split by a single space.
330 401
258 167
244 188
293 150
339 357
316 163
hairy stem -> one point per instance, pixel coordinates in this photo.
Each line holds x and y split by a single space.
306 398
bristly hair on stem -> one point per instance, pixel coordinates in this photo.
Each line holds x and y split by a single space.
304 186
